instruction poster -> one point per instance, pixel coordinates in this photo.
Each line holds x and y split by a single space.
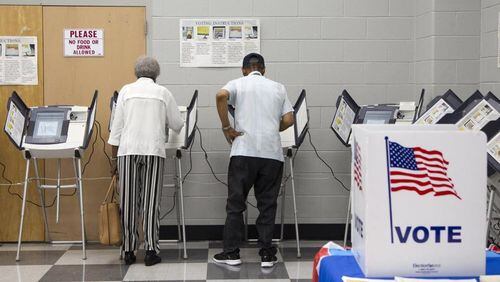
18 60
217 42
83 42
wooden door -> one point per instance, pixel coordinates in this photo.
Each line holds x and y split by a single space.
19 21
72 80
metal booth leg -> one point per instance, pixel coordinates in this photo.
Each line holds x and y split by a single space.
283 199
177 178
23 208
348 216
245 219
42 200
78 173
488 214
181 196
295 207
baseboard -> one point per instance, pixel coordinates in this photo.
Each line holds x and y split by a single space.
214 232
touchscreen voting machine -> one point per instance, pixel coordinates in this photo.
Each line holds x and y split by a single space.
439 107
344 117
50 132
293 136
184 138
348 113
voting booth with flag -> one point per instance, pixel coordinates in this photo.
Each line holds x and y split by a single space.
419 200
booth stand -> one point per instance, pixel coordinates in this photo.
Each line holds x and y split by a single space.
182 142
52 132
176 144
418 200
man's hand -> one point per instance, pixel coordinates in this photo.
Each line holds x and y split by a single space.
231 134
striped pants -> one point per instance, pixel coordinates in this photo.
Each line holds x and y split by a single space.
141 181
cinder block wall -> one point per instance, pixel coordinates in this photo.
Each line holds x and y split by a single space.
323 46
447 46
490 73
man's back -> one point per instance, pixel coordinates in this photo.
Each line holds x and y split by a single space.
260 103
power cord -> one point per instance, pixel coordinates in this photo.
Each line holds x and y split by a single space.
326 164
98 134
4 167
206 158
183 180
103 143
91 153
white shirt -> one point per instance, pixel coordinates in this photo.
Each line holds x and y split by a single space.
143 112
259 105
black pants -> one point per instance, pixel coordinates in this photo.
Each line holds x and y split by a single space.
265 176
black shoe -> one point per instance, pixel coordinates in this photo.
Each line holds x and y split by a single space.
151 258
129 258
232 258
268 257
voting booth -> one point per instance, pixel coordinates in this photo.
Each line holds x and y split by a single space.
439 107
419 200
50 132
176 143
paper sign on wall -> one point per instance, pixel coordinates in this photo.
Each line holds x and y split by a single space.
18 60
83 42
217 43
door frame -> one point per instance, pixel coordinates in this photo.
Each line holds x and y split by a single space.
94 3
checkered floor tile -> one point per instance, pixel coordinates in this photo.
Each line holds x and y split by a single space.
47 262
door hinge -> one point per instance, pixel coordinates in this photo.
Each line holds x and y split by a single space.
146 27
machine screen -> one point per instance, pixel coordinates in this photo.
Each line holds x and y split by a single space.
48 124
377 117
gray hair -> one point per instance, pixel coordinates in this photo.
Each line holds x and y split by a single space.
147 67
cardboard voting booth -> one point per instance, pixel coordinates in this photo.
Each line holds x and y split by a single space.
419 200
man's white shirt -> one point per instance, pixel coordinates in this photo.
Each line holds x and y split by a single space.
259 105
143 111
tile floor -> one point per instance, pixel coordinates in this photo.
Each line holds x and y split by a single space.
46 262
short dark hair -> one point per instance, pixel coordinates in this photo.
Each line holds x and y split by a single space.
254 60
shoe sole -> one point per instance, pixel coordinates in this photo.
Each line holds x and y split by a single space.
152 263
268 264
228 261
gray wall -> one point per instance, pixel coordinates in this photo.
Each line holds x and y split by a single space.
380 50
490 73
447 43
323 46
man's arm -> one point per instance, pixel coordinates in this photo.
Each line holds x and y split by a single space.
221 99
286 121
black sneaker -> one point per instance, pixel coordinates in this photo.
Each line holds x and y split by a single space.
232 258
151 258
129 258
268 257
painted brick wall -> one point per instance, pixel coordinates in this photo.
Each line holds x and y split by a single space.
323 46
